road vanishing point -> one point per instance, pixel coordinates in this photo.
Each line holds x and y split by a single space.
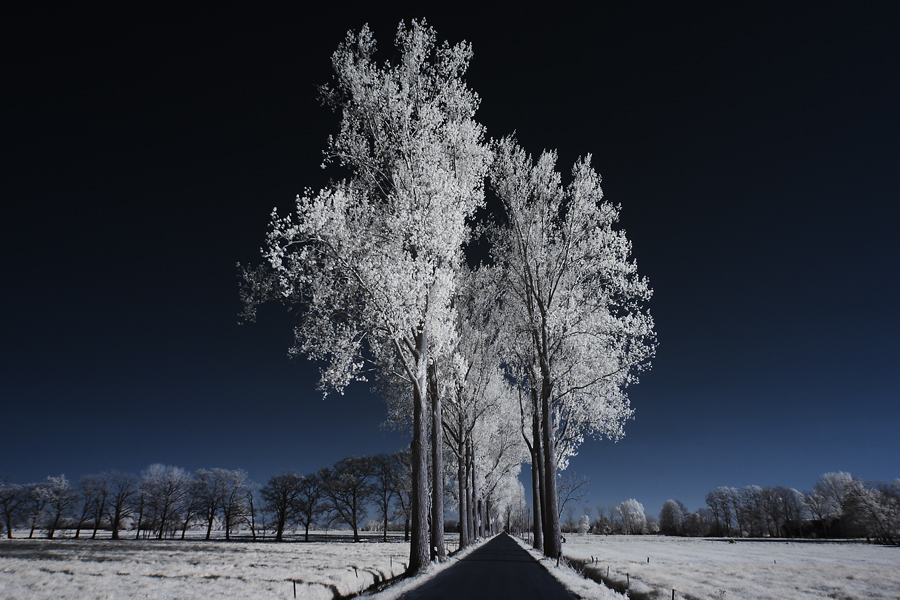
498 569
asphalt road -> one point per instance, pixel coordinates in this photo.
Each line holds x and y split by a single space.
499 569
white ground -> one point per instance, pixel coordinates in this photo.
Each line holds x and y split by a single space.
704 568
85 569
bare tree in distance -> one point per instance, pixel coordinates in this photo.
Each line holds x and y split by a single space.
91 492
13 499
280 497
384 489
309 504
209 487
59 497
348 489
572 489
234 498
122 489
165 486
402 482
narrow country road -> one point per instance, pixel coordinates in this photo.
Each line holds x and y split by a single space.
499 569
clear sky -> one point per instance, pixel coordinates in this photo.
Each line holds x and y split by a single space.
755 151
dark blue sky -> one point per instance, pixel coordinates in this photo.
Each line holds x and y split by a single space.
755 151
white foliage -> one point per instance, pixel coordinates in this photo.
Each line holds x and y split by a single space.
576 301
371 259
584 524
633 517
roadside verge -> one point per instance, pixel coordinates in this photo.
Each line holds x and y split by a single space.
575 583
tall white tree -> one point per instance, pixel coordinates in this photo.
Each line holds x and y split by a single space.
633 517
371 259
578 306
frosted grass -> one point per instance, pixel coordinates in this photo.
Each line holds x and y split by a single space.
188 570
705 568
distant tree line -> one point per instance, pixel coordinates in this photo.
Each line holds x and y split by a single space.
164 502
838 506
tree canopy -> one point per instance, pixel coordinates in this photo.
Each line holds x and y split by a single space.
374 264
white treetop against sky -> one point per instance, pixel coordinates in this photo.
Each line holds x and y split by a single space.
575 292
373 256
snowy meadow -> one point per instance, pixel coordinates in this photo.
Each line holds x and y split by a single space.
713 568
195 569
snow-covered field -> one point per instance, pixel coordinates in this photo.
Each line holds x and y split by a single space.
705 568
194 569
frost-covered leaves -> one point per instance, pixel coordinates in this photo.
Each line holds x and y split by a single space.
371 259
576 300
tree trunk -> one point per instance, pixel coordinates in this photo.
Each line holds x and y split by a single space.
252 516
536 524
100 509
418 548
140 518
470 501
537 478
8 519
437 468
462 482
162 521
117 520
227 518
552 533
